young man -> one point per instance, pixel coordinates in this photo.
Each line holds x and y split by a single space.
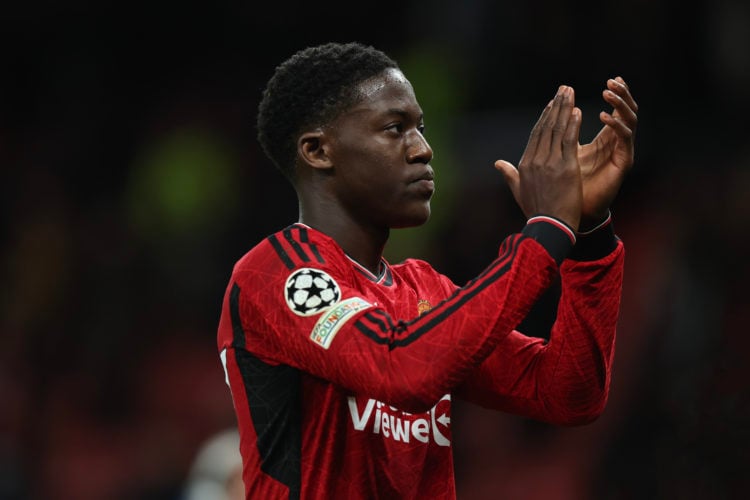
342 366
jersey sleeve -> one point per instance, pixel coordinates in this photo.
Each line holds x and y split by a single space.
312 317
564 380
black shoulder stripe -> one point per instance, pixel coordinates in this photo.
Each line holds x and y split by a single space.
499 268
295 245
273 395
314 249
281 252
435 316
370 333
374 328
234 312
507 252
507 247
385 324
442 315
274 398
377 325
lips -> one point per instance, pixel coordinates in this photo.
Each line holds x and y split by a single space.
425 176
424 183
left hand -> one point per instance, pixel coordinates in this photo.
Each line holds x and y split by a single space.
605 160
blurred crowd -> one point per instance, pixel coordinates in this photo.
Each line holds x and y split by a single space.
132 182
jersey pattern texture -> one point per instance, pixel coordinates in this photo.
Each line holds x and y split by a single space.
342 380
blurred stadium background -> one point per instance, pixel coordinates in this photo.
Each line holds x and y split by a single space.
131 181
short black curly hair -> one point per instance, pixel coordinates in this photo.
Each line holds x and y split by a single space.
310 89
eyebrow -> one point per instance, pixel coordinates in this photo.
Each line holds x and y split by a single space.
403 113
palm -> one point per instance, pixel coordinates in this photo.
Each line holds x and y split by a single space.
603 162
606 159
604 152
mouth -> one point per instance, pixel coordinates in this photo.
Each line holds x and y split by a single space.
427 175
424 183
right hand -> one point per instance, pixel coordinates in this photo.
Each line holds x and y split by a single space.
548 178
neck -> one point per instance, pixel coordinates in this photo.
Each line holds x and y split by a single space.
363 243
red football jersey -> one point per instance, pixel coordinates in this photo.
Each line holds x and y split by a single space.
342 380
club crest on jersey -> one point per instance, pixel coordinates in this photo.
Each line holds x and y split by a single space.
423 306
309 291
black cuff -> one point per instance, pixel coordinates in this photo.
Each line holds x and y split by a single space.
595 245
555 236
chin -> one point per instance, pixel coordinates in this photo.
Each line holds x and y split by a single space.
413 218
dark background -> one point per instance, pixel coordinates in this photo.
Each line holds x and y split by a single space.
132 181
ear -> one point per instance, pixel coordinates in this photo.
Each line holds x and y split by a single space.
312 149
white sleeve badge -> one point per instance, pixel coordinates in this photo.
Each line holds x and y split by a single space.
335 317
311 291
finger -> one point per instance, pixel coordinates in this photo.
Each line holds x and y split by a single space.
572 132
512 178
622 110
618 87
621 105
618 125
560 126
548 127
619 79
533 142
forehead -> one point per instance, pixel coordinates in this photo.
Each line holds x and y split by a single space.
388 90
390 79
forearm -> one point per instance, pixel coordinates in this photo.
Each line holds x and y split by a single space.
410 363
427 357
583 337
566 380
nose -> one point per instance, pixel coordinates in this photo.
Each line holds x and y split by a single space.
418 150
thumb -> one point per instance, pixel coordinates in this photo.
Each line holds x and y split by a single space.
510 173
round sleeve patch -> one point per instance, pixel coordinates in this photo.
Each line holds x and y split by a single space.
309 291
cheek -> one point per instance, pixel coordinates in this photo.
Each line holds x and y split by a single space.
373 171
369 173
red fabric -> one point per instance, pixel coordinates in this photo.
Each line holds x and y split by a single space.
357 439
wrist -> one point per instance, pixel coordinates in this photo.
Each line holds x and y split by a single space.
590 223
596 243
555 235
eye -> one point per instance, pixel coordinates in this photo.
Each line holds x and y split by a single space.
421 129
397 127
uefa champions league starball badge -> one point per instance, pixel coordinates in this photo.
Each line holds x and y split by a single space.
309 291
